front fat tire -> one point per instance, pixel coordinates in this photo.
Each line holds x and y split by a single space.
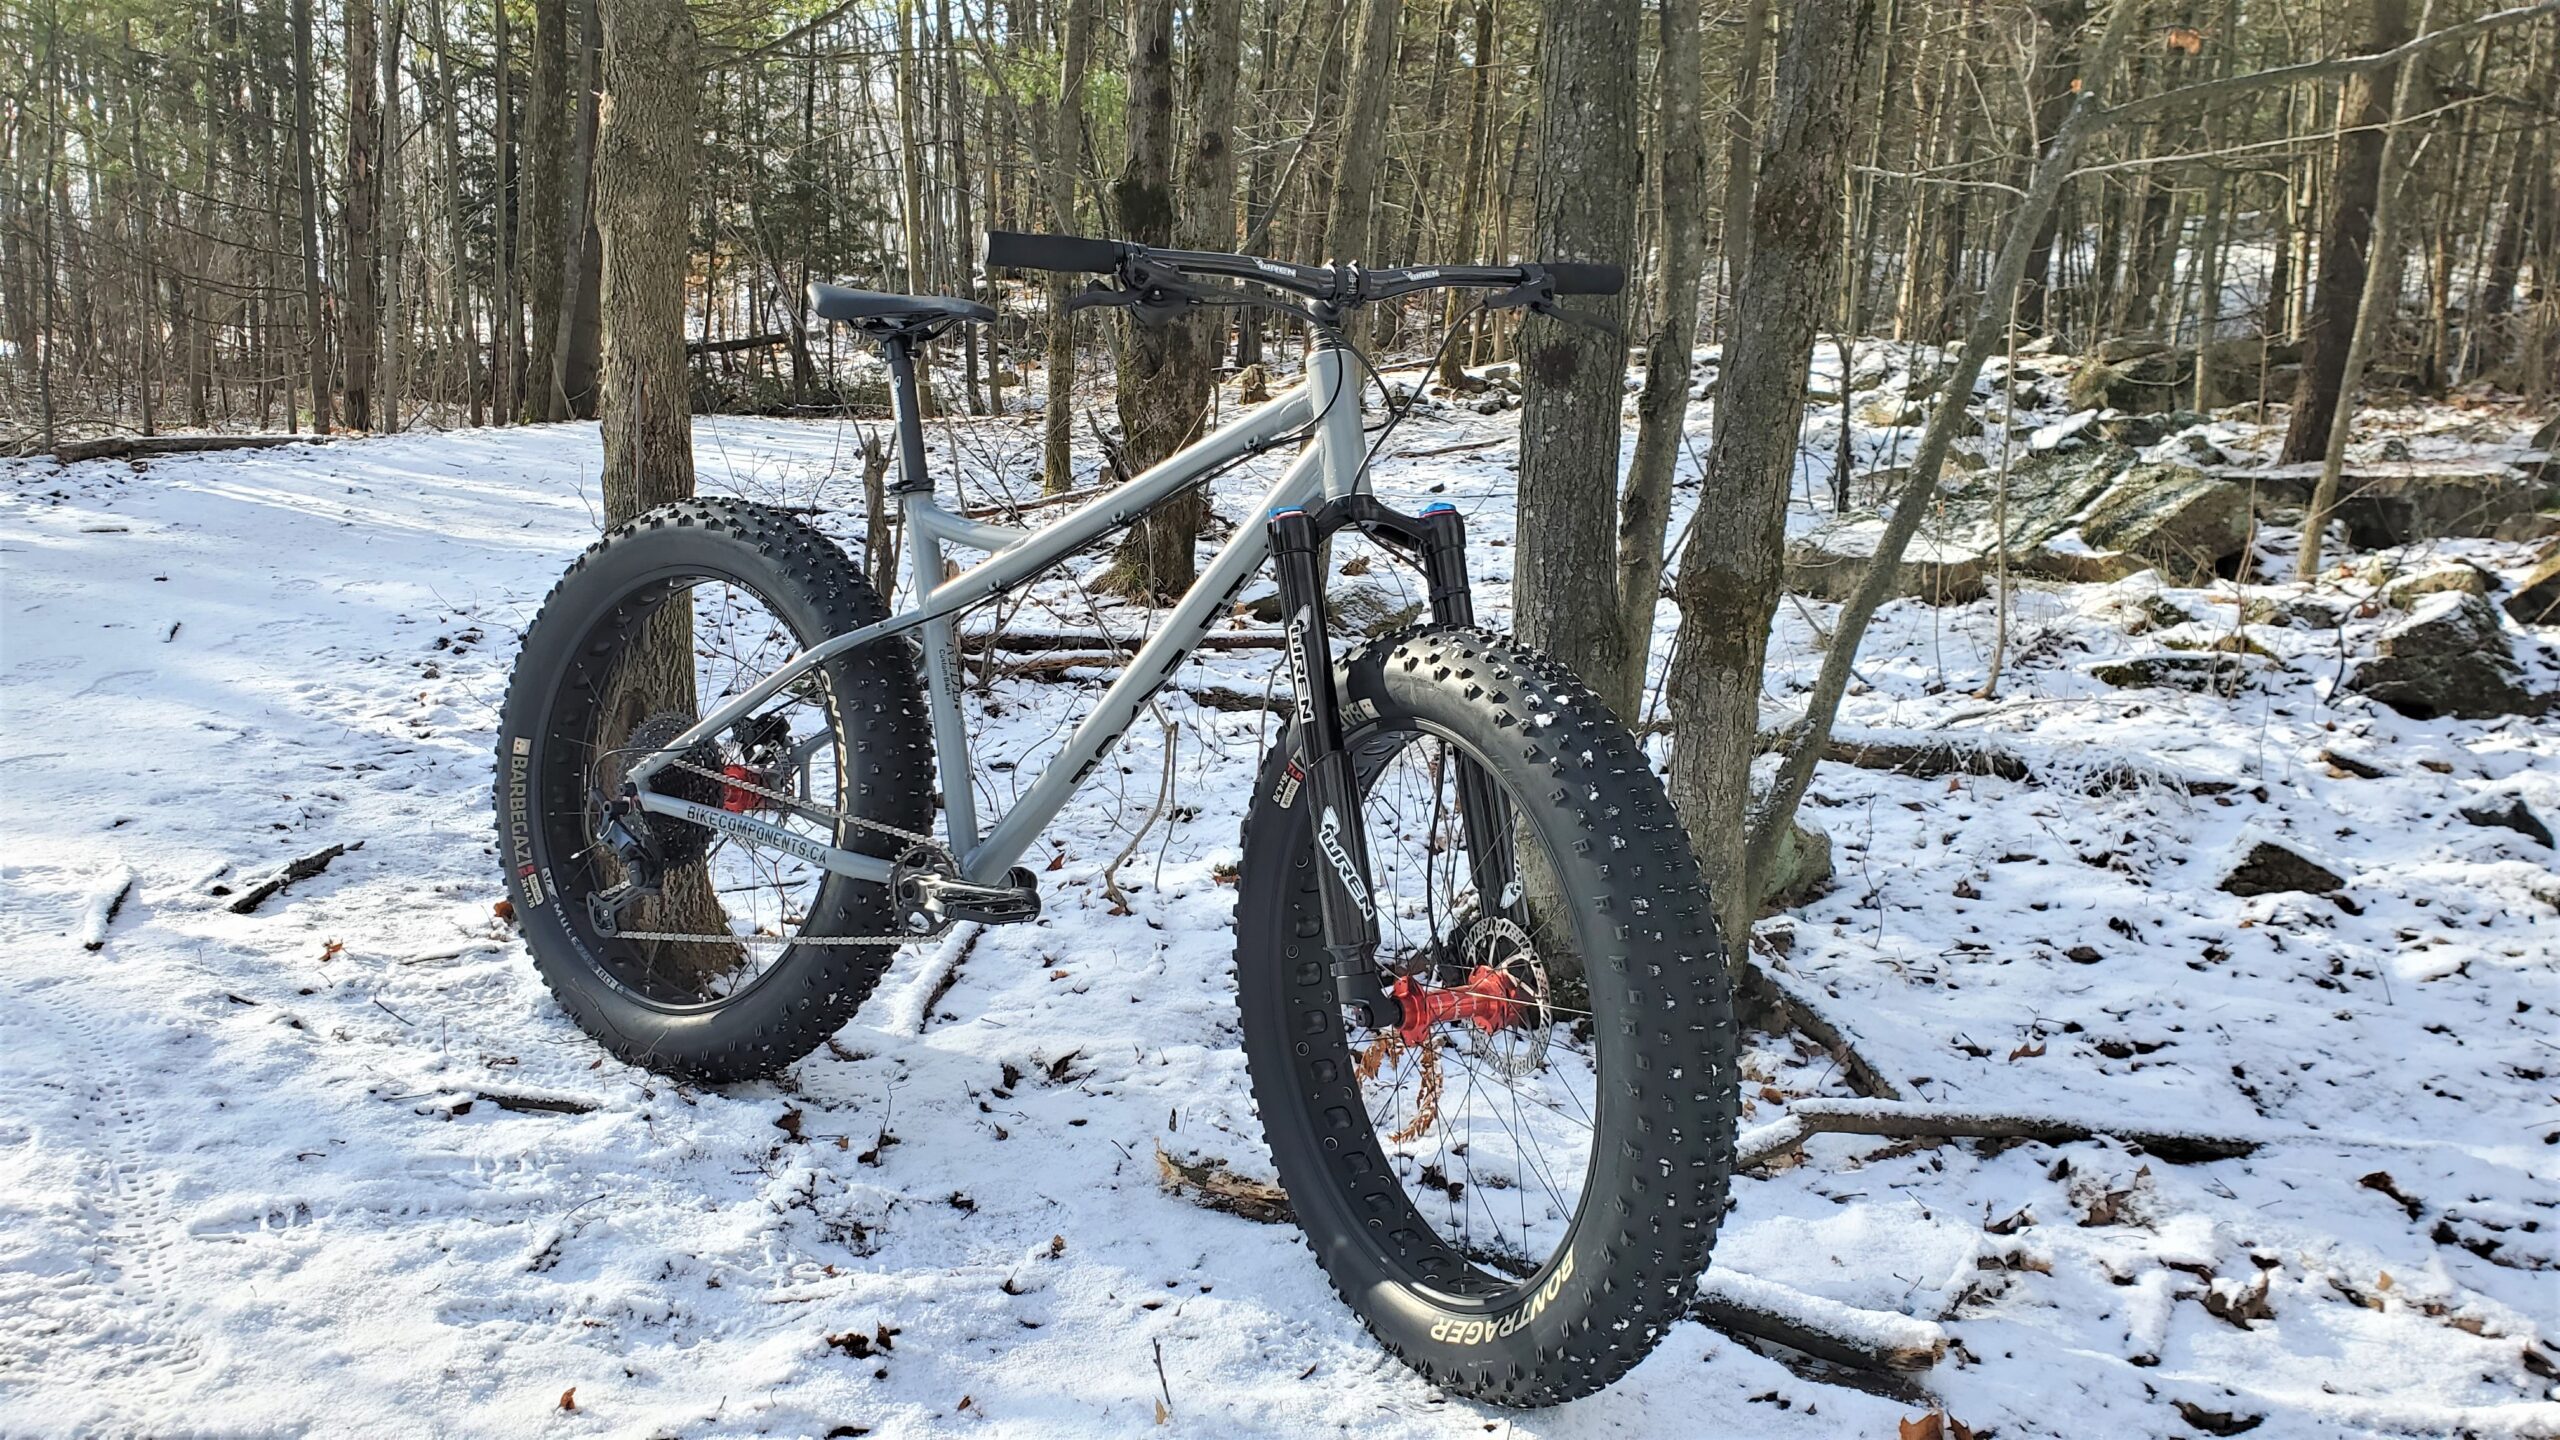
879 716
1663 1033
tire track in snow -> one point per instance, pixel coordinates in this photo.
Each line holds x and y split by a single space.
120 1317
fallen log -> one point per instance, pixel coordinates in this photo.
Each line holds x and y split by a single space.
1863 1339
1033 641
1784 1004
1932 757
1051 669
301 869
99 910
1911 1121
122 447
733 346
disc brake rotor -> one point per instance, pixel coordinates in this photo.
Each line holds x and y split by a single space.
1519 1048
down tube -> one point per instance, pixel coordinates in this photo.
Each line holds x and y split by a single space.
1146 673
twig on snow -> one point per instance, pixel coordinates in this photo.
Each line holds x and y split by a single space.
99 910
1807 1118
301 869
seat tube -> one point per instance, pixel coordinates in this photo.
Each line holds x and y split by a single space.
938 636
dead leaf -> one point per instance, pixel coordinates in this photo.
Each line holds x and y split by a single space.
569 1398
331 950
788 1122
505 910
1222 1189
2217 1422
1936 1425
1162 1414
2236 1303
2027 1052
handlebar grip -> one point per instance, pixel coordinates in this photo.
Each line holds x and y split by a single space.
1013 250
1578 277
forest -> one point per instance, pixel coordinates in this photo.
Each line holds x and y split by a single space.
2065 506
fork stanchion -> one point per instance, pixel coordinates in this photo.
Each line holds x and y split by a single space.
1322 770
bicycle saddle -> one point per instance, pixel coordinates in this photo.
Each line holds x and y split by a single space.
843 302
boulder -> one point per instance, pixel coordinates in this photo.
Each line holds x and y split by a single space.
2448 658
2132 378
1800 868
2266 867
2213 670
2401 592
1353 606
2143 431
2536 598
1830 561
2508 812
2384 503
2177 517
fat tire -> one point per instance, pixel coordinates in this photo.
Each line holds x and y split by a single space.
1662 1152
814 588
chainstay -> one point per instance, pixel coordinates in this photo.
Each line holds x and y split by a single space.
805 807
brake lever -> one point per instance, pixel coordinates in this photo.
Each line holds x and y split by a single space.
1097 294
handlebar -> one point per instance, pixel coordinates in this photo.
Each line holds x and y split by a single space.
1153 276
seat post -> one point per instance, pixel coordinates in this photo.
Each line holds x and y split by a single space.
904 407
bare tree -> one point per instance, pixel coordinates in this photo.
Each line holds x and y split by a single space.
1589 173
1728 580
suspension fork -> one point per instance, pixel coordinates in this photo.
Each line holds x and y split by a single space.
1320 766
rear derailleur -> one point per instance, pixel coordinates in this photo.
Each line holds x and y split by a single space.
624 830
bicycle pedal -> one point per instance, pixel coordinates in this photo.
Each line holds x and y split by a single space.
1015 902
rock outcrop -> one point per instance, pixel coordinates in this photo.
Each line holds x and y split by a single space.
2450 657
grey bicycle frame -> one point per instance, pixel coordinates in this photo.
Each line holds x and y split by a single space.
1331 465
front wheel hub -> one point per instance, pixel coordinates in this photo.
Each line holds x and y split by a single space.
1488 1000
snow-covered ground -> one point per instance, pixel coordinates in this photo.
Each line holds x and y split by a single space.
341 1167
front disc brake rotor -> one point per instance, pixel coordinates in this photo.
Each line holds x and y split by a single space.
1519 1048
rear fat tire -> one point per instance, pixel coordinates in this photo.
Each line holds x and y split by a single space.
808 992
1663 1036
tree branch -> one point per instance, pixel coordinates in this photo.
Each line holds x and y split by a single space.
2208 91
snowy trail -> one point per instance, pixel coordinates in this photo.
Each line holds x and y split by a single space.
340 1167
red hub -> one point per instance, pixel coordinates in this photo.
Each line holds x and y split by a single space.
1488 1000
736 799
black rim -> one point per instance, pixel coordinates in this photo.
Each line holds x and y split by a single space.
1494 1167
596 710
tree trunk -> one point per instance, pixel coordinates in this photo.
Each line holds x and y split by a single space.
1351 212
1163 391
648 154
361 321
390 226
573 360
1589 173
1729 569
306 142
506 360
1471 185
1663 408
1058 172
1742 134
2057 67
2026 230
543 204
2345 239
2374 306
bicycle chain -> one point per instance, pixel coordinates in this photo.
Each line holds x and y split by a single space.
806 807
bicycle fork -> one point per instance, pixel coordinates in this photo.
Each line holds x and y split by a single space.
1318 764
